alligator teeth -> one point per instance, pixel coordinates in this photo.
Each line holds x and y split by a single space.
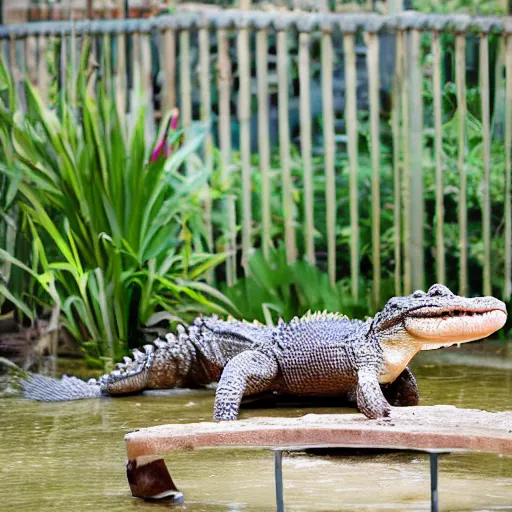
160 344
138 355
127 360
149 349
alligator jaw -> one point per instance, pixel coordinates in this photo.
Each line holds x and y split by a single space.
438 327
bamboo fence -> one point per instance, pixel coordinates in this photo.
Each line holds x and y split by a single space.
184 42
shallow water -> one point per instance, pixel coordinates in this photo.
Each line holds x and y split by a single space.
71 456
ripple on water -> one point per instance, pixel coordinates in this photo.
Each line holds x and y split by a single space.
71 456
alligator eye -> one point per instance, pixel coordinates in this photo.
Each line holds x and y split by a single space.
418 294
438 290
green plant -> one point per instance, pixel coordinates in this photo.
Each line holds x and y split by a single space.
118 241
276 289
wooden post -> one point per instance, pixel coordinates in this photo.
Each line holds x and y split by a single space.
146 83
406 172
329 151
486 139
460 82
353 157
372 43
120 81
507 289
284 146
43 78
263 136
438 148
224 88
168 66
415 150
185 83
244 117
397 174
306 143
206 105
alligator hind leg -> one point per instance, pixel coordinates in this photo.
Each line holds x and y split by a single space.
403 391
246 374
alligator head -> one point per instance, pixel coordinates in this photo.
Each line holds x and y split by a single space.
426 321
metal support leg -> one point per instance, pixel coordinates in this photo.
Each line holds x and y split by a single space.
278 468
434 505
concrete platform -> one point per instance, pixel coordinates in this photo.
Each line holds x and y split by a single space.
435 430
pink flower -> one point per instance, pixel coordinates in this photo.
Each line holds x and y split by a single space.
162 146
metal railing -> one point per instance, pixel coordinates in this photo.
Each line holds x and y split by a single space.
400 62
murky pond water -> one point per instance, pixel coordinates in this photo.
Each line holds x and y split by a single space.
71 456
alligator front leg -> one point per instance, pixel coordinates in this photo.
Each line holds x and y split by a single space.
246 374
370 399
403 391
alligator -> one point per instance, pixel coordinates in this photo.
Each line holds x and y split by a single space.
320 354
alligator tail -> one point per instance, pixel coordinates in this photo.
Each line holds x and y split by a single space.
45 389
128 377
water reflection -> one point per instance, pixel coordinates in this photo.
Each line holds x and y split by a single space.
71 456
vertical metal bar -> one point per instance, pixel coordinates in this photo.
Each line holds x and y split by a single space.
395 129
185 82
460 83
329 150
352 134
406 172
305 143
263 136
168 65
508 168
486 139
224 88
416 150
438 148
434 501
278 470
372 43
284 146
204 85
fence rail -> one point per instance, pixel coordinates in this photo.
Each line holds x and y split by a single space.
183 42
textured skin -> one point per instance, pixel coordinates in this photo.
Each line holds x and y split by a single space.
320 354
327 354
194 357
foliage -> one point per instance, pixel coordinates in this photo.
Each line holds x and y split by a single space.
276 289
475 7
113 234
